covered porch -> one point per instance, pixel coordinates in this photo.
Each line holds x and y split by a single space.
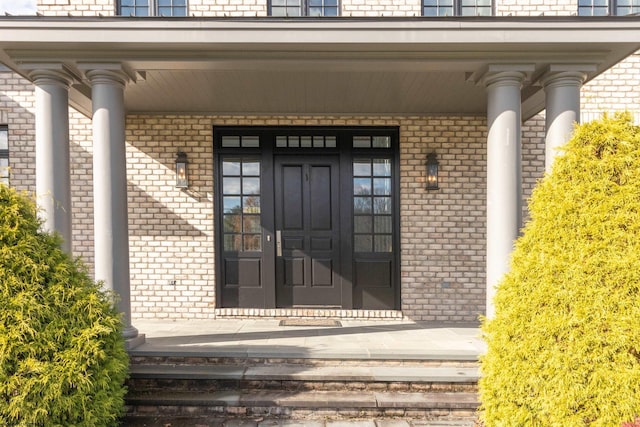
504 69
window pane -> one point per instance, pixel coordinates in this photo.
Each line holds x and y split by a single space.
362 167
252 242
164 11
305 141
382 244
251 168
281 141
232 242
231 141
362 224
382 224
251 224
250 186
381 142
361 186
251 204
318 141
382 205
362 205
382 186
250 141
382 167
331 140
362 243
232 205
361 142
230 167
232 223
4 139
4 170
294 141
230 185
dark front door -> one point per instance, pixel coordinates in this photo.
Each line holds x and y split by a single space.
307 231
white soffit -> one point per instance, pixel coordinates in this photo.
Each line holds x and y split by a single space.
316 66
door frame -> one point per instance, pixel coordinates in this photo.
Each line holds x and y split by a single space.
264 296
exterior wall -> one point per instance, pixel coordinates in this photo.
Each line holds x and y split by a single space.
442 232
17 111
231 8
536 7
616 90
76 7
171 232
381 8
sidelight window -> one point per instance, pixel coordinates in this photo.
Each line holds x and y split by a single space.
372 205
4 155
241 191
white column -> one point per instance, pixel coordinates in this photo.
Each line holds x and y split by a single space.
53 182
110 187
562 103
504 186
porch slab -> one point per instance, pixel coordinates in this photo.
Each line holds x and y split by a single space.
356 339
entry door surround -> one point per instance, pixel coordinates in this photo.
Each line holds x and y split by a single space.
307 217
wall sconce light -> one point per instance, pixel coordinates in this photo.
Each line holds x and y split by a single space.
182 173
432 171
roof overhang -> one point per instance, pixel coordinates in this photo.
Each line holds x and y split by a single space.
350 66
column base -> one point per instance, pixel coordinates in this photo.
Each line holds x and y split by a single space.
131 343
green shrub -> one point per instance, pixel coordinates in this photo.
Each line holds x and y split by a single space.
564 345
62 356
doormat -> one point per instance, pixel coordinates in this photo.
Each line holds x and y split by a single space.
310 322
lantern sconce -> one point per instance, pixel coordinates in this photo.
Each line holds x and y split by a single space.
182 173
432 171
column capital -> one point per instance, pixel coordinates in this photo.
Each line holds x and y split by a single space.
565 74
563 78
503 74
107 73
56 73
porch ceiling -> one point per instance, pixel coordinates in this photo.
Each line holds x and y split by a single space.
315 66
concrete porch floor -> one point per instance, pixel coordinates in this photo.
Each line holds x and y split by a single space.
354 339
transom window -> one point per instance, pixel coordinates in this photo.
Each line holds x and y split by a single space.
608 7
4 155
304 8
306 141
457 8
152 7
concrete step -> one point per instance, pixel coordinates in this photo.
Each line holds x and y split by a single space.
306 405
213 421
310 373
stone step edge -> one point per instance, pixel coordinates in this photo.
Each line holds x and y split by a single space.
298 373
242 352
309 400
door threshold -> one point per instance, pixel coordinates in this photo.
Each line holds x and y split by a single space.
326 323
307 313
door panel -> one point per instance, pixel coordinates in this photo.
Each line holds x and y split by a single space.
306 214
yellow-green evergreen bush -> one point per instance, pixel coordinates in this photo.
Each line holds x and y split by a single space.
564 345
62 356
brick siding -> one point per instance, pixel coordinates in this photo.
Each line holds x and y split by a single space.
171 231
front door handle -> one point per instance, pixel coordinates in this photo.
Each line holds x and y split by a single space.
278 243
